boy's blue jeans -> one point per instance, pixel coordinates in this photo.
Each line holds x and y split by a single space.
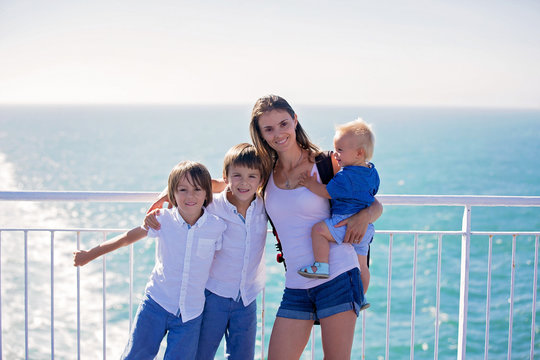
225 316
152 323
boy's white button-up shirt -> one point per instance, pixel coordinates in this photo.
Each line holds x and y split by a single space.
184 256
239 267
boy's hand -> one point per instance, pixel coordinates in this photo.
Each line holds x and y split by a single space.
81 258
150 221
307 180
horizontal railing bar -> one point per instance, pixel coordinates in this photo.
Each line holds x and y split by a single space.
134 196
66 229
459 200
419 232
385 232
520 233
88 196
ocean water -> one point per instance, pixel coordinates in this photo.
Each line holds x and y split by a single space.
433 151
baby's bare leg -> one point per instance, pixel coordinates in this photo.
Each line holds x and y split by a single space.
320 238
364 271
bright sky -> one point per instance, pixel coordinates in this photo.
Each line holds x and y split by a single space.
452 52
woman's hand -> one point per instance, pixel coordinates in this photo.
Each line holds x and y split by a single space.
150 221
358 223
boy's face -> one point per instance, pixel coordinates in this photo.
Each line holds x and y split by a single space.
189 197
347 152
243 182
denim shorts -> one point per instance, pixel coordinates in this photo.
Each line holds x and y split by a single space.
340 294
338 233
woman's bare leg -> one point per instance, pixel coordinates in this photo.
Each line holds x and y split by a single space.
337 333
289 338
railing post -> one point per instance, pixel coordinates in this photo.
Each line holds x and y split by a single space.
1 352
26 355
130 287
104 292
413 309
535 279
52 295
438 298
388 297
78 300
262 322
464 283
488 297
512 285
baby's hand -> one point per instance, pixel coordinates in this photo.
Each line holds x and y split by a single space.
150 221
307 180
81 258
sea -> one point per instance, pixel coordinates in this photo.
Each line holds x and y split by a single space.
418 150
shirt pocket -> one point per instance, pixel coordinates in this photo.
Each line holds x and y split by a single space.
206 248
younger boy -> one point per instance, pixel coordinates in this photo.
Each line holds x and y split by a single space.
185 246
352 189
237 273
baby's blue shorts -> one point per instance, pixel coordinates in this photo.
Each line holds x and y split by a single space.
338 233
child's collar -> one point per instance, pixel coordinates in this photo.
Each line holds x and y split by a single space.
200 221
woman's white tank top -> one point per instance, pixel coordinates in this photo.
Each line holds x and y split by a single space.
294 212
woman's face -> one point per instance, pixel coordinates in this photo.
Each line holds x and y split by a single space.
278 129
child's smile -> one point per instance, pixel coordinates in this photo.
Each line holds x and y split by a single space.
190 198
243 183
347 152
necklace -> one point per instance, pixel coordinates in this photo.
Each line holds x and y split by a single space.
287 183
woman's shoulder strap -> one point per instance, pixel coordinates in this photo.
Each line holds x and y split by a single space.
324 166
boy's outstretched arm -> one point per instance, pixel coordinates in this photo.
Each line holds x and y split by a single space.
82 257
310 181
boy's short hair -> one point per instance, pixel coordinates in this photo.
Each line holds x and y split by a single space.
363 132
243 154
199 175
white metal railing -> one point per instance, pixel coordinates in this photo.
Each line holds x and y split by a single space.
420 200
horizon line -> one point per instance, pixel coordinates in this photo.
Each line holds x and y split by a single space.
196 104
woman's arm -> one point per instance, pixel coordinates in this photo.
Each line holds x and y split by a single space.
162 199
83 257
358 223
218 185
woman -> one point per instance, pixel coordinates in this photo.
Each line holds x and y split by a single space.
287 153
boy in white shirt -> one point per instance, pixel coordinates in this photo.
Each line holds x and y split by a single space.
185 246
237 274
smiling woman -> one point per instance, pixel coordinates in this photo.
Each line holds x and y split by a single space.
288 153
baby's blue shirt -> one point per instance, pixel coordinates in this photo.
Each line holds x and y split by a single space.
353 188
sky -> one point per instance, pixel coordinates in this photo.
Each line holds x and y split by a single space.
382 53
